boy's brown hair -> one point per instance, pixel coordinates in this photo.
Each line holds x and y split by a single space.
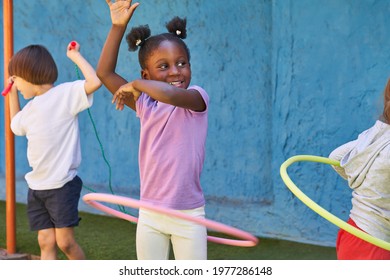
34 64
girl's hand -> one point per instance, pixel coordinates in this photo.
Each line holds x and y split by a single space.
121 11
124 93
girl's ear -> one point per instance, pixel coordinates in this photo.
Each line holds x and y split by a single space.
144 74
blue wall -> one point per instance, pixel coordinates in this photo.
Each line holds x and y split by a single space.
285 77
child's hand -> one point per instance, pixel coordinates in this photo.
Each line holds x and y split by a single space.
121 11
124 93
72 49
10 87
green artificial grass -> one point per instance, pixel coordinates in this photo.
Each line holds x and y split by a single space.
108 238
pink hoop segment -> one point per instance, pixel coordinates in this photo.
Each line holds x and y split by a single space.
247 239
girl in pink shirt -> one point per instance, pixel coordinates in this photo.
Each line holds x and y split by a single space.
173 118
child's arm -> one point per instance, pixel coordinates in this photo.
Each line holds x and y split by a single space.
121 13
92 82
163 92
338 155
14 105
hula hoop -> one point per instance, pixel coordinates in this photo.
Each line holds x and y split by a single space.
318 209
248 239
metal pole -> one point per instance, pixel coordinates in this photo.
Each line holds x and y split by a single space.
9 137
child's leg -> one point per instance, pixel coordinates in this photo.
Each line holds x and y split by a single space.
189 239
62 206
151 242
54 213
39 219
47 244
67 243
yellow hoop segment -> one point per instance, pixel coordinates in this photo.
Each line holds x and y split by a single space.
318 209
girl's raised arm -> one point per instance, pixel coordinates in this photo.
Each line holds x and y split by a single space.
121 13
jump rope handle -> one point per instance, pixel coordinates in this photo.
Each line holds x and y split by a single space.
7 89
72 45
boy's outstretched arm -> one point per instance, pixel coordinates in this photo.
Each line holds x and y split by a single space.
121 13
92 82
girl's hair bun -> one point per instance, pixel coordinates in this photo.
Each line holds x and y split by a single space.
137 36
177 26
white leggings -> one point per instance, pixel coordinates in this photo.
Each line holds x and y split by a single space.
155 231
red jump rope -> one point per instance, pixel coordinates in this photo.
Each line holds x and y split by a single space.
7 89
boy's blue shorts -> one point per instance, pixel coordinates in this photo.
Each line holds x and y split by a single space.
57 208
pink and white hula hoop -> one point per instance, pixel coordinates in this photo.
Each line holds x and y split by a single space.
247 239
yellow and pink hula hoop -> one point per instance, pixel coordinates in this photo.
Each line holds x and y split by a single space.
318 209
247 239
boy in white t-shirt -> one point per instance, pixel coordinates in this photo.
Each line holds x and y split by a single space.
50 123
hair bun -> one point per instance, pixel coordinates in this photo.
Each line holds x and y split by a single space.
137 36
177 26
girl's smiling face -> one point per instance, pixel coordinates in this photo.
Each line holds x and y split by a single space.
168 63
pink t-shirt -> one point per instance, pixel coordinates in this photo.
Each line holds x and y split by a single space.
172 152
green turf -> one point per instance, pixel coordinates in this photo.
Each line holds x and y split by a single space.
108 238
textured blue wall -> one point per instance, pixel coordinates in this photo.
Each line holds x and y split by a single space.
284 77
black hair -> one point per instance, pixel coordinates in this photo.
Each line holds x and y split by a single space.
139 37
